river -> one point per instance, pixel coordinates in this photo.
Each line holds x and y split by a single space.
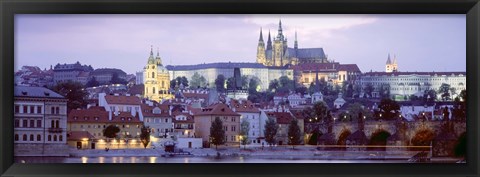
185 160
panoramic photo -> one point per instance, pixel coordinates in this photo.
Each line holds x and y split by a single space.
281 88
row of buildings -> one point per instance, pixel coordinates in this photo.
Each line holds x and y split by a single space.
76 72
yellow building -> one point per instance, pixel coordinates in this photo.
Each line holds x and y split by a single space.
156 79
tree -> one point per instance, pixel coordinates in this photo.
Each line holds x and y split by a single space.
302 90
320 111
384 91
244 80
389 108
444 90
253 85
92 82
357 89
182 81
231 83
217 133
111 131
368 89
117 80
429 96
294 133
286 84
460 107
197 81
145 136
274 85
74 92
173 83
271 128
244 129
356 108
220 83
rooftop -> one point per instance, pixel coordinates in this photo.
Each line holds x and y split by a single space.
25 91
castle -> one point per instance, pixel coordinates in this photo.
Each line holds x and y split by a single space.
391 66
279 54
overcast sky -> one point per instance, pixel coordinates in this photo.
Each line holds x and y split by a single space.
420 42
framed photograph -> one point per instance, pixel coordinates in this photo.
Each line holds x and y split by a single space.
235 88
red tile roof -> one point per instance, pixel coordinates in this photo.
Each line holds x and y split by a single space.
97 114
147 110
217 109
122 99
189 117
281 117
79 135
245 106
326 67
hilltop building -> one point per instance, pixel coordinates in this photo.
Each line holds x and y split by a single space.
279 54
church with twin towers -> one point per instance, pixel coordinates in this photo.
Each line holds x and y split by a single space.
277 52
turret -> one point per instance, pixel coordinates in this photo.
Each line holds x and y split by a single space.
158 60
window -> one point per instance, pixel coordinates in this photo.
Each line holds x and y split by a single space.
154 90
39 123
54 137
39 138
153 76
52 124
52 111
32 109
16 137
39 109
32 123
25 137
25 123
233 128
60 138
24 109
57 109
17 109
17 123
31 137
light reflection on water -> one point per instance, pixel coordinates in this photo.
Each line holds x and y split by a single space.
184 160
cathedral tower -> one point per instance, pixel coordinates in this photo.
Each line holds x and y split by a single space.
279 47
389 65
261 58
156 79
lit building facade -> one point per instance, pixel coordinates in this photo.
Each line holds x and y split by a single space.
277 53
156 79
40 121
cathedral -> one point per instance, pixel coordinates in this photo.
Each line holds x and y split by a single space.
156 79
279 54
391 66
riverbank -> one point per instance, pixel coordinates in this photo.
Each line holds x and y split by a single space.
281 153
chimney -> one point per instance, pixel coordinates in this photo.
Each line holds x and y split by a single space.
110 115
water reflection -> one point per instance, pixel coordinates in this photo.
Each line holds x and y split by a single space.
184 160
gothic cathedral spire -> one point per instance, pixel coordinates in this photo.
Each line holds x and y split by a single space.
261 50
269 41
296 42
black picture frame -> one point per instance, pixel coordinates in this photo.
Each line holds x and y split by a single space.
9 8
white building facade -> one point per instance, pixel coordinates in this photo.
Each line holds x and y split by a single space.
404 84
40 122
211 70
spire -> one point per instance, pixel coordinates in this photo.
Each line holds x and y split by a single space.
158 52
151 60
296 42
261 35
394 59
388 60
269 42
280 34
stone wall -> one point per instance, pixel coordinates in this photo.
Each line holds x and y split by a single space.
41 150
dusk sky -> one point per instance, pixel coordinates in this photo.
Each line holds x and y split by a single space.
420 42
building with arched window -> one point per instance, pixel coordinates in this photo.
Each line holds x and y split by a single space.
156 79
39 113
